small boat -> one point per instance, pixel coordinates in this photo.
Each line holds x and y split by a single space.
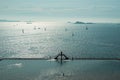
44 29
1 59
28 22
72 34
34 27
22 30
86 28
38 27
65 29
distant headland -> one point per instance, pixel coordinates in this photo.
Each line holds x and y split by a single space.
79 22
4 20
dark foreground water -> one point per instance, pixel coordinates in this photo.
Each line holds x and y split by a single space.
48 70
48 39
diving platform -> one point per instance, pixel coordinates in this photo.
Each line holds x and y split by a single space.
61 56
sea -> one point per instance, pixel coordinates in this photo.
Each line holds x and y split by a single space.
47 39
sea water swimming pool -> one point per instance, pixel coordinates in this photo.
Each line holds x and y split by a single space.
100 40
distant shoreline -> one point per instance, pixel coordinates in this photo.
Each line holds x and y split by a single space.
76 22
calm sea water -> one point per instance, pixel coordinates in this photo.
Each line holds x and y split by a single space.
48 39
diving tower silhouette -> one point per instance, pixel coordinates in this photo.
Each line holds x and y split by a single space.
61 56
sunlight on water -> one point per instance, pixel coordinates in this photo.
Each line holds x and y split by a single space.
40 39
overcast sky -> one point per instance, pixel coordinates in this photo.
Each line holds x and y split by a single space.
61 10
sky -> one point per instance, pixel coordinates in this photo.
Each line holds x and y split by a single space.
61 10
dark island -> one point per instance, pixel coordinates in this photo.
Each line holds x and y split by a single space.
79 22
3 20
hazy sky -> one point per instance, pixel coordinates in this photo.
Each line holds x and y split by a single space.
61 10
